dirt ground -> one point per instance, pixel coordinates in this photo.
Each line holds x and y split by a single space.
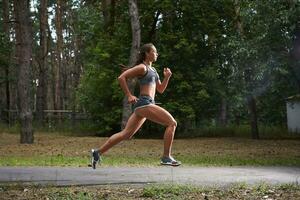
49 144
149 192
54 144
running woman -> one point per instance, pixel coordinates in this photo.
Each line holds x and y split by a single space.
144 106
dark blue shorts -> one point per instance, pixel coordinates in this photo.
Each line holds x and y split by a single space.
143 102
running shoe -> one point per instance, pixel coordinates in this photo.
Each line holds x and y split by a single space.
169 161
95 158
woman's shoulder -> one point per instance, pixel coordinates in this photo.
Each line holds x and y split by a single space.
141 67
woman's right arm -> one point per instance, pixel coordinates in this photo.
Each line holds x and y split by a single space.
136 71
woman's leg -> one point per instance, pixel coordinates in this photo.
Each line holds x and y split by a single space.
132 126
161 116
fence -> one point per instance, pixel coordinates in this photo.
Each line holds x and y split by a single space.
52 118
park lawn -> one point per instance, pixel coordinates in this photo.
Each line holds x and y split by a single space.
52 149
239 191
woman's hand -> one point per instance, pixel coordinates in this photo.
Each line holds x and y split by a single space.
132 99
167 72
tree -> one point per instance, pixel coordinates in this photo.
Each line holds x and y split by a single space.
42 63
59 93
248 75
136 40
23 56
108 7
215 68
7 74
77 64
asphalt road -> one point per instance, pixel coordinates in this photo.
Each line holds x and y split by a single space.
203 176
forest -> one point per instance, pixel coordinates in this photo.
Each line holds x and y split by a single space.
234 62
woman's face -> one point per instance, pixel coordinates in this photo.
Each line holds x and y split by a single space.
152 54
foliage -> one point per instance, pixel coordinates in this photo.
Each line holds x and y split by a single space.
100 94
199 40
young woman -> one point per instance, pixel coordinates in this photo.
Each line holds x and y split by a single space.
144 105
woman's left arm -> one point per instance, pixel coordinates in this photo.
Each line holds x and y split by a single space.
161 86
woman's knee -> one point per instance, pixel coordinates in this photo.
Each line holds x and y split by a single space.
172 123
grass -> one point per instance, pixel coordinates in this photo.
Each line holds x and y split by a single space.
236 191
60 150
142 161
243 131
87 127
153 191
168 191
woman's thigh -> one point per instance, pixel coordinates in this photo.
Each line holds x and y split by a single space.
156 114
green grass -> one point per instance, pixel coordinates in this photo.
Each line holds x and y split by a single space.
235 160
235 191
164 191
152 191
43 161
54 149
244 131
74 161
60 160
89 128
13 129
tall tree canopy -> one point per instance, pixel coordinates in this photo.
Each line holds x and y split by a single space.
233 62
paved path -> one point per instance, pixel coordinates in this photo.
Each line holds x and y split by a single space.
204 176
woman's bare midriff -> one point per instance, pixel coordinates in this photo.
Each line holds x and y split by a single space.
148 90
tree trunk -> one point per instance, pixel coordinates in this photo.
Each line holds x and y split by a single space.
239 25
108 7
253 116
222 120
251 102
42 83
7 74
248 79
76 74
7 92
59 56
23 55
51 104
76 71
136 41
295 55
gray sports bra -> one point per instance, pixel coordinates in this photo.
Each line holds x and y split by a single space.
150 77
